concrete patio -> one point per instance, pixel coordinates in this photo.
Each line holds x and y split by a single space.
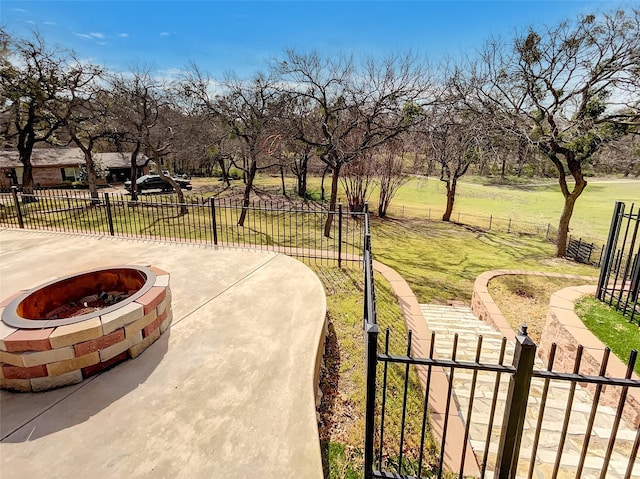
228 391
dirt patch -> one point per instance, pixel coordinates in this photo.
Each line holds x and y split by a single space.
524 299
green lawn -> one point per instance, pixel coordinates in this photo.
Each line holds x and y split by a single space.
343 380
535 201
539 202
610 327
440 261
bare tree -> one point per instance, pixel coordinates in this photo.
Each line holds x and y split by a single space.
357 179
203 137
251 111
82 114
390 173
378 101
302 154
35 86
138 111
568 90
454 138
619 157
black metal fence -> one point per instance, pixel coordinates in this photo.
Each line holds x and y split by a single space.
482 222
499 454
619 281
405 453
584 252
294 229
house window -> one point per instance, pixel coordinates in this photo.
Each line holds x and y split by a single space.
69 174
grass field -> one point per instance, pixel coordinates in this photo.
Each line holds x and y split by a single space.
610 327
440 261
538 201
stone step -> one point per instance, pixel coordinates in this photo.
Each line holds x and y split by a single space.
446 322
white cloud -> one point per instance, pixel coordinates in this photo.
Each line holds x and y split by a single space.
20 10
102 43
123 35
165 34
50 23
91 36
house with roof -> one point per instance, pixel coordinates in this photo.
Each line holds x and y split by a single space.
118 165
61 166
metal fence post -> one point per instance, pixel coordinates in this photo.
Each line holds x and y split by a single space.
490 221
340 235
548 230
607 262
371 361
14 191
107 202
578 254
600 257
509 227
515 406
214 224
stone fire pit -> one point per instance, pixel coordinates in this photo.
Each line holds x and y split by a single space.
73 327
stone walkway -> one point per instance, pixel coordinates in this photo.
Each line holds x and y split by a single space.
446 321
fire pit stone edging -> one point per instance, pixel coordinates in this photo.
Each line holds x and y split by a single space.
34 360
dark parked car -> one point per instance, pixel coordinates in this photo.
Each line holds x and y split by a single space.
154 182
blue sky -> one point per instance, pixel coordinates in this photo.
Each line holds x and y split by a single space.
242 36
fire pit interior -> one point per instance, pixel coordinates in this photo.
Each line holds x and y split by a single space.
68 329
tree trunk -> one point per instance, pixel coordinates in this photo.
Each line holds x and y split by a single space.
384 199
223 169
91 170
134 172
333 201
302 176
92 177
27 183
26 140
284 189
565 217
244 169
24 153
302 186
250 175
569 197
183 207
563 225
451 197
324 173
383 203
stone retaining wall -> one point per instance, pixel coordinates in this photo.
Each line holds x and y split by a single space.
565 329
